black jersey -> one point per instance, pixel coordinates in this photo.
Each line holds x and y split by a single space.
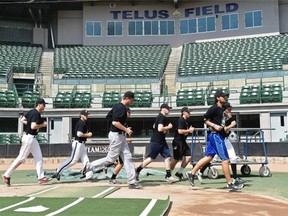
181 124
32 116
157 135
82 127
216 115
227 123
119 114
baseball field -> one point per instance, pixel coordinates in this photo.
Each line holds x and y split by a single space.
74 196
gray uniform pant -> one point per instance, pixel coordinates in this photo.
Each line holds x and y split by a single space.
118 147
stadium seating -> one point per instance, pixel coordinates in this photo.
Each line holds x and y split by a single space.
41 139
266 93
143 99
211 93
190 97
72 99
19 57
247 55
110 98
102 62
29 98
8 98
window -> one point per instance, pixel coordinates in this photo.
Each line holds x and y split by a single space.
253 19
230 21
192 26
206 24
114 28
151 27
93 28
188 26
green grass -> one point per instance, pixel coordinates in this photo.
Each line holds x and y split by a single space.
89 206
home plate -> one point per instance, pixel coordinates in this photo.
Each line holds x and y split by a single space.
38 208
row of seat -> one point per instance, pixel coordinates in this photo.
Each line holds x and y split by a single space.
261 94
8 98
72 99
29 98
19 58
7 139
267 53
198 96
97 62
142 98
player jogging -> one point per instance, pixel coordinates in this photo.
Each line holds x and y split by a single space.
214 118
118 143
159 144
181 150
78 146
32 123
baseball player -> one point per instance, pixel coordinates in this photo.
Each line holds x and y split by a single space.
159 144
215 119
230 122
32 123
118 143
119 163
78 146
181 150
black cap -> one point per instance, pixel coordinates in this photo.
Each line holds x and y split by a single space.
220 93
227 105
84 112
40 101
166 106
128 94
185 109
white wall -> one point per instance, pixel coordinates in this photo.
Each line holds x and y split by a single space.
70 27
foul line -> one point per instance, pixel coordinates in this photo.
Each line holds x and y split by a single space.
44 191
17 204
103 192
66 207
149 207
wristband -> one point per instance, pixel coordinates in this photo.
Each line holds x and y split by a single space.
213 125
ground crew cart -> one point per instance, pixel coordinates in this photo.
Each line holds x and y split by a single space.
243 149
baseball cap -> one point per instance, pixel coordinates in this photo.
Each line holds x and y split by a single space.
40 101
166 106
220 93
84 112
185 109
227 105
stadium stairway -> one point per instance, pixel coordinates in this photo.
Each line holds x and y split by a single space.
170 72
45 72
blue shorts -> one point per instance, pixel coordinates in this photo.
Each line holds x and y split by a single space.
159 148
216 145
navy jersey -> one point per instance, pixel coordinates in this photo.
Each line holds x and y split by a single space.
157 135
32 116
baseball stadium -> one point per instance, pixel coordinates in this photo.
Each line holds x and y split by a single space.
78 58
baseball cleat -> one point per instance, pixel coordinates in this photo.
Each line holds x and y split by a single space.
135 185
179 175
190 178
44 180
89 175
6 180
56 175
